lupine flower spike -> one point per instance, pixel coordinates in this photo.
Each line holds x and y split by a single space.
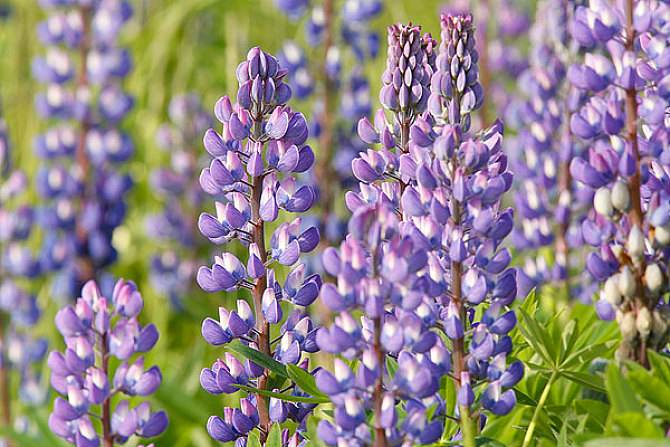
95 329
173 268
80 183
254 161
340 38
550 203
20 352
627 166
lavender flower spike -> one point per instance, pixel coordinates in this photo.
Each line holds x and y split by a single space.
94 329
461 178
625 76
254 161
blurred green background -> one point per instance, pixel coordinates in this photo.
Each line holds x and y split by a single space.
178 46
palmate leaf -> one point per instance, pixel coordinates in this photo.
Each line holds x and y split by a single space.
651 388
284 396
588 380
636 425
660 364
536 336
620 393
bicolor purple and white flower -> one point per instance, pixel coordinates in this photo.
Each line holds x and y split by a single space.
626 75
80 182
95 329
255 160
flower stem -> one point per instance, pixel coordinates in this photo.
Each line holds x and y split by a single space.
635 214
107 436
262 325
378 394
324 167
86 269
538 410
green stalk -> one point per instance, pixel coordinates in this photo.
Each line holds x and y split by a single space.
538 409
468 428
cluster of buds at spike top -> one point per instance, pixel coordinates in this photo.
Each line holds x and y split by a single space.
455 88
174 266
96 329
80 182
254 160
626 74
550 203
20 312
405 91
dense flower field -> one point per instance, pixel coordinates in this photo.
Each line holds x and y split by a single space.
288 223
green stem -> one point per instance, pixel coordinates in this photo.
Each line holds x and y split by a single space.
468 428
538 409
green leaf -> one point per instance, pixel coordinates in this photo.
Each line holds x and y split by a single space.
253 440
257 357
274 437
588 380
626 442
536 336
305 381
621 395
282 396
595 410
636 425
651 388
660 365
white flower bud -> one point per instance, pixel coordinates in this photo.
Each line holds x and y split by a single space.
626 282
662 235
611 290
659 324
643 322
618 316
620 196
653 275
635 243
627 326
602 202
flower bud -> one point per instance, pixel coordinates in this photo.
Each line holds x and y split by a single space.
635 243
602 202
662 234
620 196
611 290
628 326
643 322
626 282
653 276
659 324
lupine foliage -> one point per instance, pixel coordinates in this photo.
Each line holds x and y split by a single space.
460 268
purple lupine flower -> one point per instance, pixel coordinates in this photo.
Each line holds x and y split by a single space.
340 35
82 187
255 159
20 351
173 268
550 204
454 200
626 164
87 382
381 269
